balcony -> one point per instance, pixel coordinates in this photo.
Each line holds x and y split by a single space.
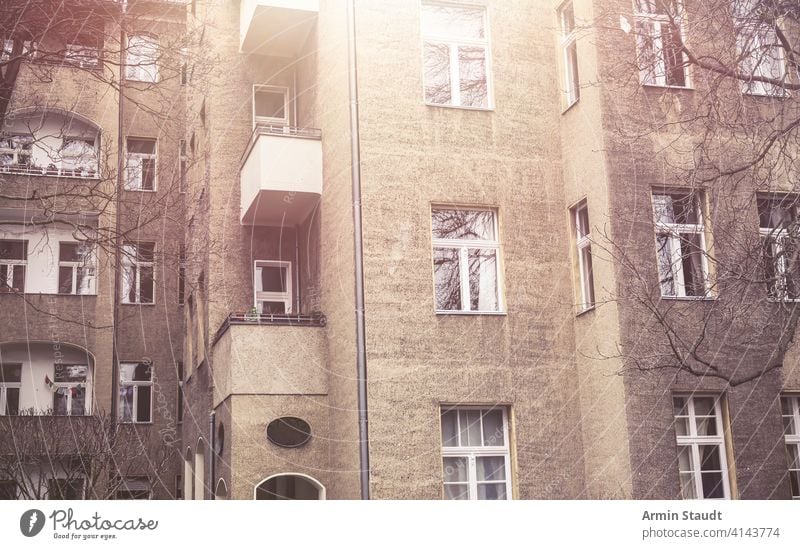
281 175
276 27
270 354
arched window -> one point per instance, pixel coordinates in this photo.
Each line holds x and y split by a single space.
200 470
290 486
188 475
222 490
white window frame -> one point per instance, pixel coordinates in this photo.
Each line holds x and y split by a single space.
5 385
572 91
474 452
135 385
270 120
778 236
87 386
751 35
583 243
8 283
82 55
793 439
138 67
131 169
130 259
453 44
285 297
90 279
657 76
673 231
22 148
463 246
87 165
694 441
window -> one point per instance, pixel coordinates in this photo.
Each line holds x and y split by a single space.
181 276
759 50
475 455
179 406
566 16
78 154
82 55
178 486
8 490
790 410
182 167
270 105
136 392
777 221
456 55
659 40
28 47
133 488
141 167
10 386
13 259
141 59
680 244
69 389
15 150
138 273
465 260
65 489
273 287
583 241
76 271
702 463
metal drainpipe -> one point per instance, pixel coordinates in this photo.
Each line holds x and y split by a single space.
213 451
361 343
117 224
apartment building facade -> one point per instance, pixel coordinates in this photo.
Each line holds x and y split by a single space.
470 200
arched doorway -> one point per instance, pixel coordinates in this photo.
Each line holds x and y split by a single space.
200 470
188 475
290 486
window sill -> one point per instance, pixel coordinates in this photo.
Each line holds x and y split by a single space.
471 313
667 87
136 80
75 295
689 297
773 300
141 190
460 107
135 423
139 304
785 95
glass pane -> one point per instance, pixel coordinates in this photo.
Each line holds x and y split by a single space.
135 371
452 21
694 279
493 428
673 55
675 208
456 491
69 251
793 454
11 373
13 249
12 401
687 486
712 486
271 279
70 373
685 464
449 428
60 398
437 73
145 251
775 213
447 279
463 224
455 469
126 403
141 146
567 19
146 285
78 401
665 272
65 280
704 406
472 75
272 307
794 479
492 491
483 280
270 104
587 276
470 427
582 222
143 404
709 458
148 173
491 468
682 426
788 426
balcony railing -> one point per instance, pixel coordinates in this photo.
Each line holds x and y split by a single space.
317 320
25 169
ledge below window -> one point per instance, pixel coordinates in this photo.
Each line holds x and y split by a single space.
46 172
471 313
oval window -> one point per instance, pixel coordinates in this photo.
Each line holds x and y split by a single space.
289 432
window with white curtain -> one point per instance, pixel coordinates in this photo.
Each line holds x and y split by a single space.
13 260
476 461
76 269
136 392
70 389
138 272
141 58
760 52
141 164
659 40
466 260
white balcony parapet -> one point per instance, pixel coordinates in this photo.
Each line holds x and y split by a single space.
276 27
281 175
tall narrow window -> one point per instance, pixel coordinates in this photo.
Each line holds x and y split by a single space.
69 389
583 242
13 259
475 453
790 410
680 244
569 48
141 167
141 59
466 260
182 167
270 105
702 463
181 276
273 287
10 387
138 273
76 271
136 392
456 55
659 37
778 218
179 405
761 53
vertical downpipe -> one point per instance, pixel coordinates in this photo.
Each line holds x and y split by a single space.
361 343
